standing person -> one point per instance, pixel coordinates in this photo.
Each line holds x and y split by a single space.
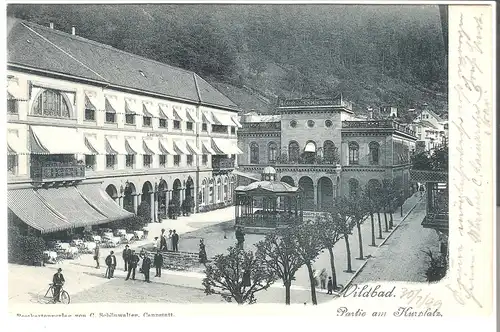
96 255
240 237
422 190
169 238
163 241
126 256
158 263
111 264
175 241
330 286
58 282
132 265
322 278
203 253
146 265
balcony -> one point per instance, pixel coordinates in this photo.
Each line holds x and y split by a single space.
382 124
58 172
222 165
315 102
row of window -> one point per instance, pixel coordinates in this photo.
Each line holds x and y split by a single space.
311 123
354 153
329 152
147 161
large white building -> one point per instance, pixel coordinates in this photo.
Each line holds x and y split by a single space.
430 129
85 119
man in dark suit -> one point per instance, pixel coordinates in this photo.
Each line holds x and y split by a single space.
146 265
158 262
126 256
175 241
132 265
58 282
111 264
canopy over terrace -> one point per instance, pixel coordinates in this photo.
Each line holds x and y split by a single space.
268 204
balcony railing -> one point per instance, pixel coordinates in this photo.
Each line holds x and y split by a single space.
378 124
307 102
63 172
222 164
268 220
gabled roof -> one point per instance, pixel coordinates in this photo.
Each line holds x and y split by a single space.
437 117
425 123
42 48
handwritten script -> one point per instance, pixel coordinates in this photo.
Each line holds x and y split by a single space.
471 89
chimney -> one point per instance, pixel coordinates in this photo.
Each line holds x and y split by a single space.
73 30
51 25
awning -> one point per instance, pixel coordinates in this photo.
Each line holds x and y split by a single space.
100 200
310 147
165 111
57 140
14 93
15 145
250 176
207 149
111 104
180 147
134 146
91 101
179 114
115 146
131 107
148 109
56 209
207 117
94 146
223 119
191 115
225 147
236 121
166 146
192 147
152 146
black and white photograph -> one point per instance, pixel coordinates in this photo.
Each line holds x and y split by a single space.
288 154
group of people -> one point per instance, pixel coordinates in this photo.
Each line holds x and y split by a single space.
324 284
172 238
131 261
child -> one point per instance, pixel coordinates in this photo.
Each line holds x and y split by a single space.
330 286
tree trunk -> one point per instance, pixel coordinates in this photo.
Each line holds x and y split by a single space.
287 292
391 220
386 224
360 238
313 284
348 249
379 226
332 264
373 229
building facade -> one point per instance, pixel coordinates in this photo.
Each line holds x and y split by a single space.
322 147
430 129
82 114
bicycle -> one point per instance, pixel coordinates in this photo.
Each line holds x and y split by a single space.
63 295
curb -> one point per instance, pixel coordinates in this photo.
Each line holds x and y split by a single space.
350 280
399 224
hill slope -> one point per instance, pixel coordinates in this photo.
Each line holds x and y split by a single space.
374 55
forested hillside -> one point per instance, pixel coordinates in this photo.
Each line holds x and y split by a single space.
373 55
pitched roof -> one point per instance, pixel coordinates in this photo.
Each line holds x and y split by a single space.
438 118
39 47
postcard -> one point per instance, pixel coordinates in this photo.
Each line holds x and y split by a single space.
258 159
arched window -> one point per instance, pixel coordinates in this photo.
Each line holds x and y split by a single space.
211 198
226 189
203 188
353 153
293 152
219 191
254 153
272 149
374 153
353 187
53 104
329 152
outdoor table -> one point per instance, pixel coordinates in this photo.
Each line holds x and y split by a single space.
139 234
64 246
96 238
121 232
109 235
78 242
89 245
128 236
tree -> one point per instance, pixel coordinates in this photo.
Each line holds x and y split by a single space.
278 251
359 209
342 215
392 195
329 235
308 248
237 276
144 212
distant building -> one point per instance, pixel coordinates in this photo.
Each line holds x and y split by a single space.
431 129
321 146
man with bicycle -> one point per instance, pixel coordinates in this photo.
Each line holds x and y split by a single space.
58 282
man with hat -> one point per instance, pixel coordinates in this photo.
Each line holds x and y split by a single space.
111 263
126 256
132 265
57 283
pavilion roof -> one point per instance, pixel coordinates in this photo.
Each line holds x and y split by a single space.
267 187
